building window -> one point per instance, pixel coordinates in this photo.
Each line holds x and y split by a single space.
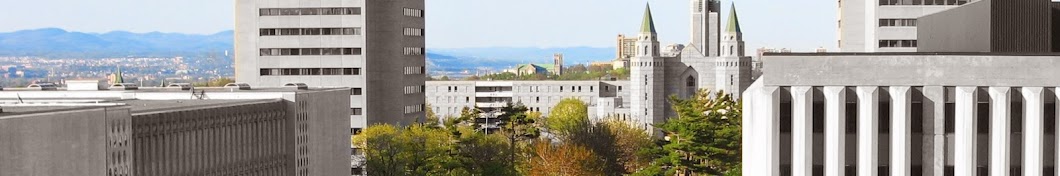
309 31
897 22
357 91
309 71
898 44
356 111
415 70
417 32
309 11
409 12
413 51
308 51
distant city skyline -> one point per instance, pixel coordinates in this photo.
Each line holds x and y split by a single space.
801 26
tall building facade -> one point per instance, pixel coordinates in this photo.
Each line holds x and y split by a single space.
376 48
885 25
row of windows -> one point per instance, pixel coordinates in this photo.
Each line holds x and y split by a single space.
413 32
414 89
897 22
309 11
923 2
413 51
310 31
413 12
897 43
309 71
415 70
413 109
309 51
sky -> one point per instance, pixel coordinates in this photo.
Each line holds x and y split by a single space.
800 25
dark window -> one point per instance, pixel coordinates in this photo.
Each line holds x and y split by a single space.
356 111
357 91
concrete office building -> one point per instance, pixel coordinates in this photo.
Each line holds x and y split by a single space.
376 48
967 112
713 60
175 132
885 25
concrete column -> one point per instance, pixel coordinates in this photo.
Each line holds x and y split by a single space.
802 131
748 128
835 130
1000 112
868 130
964 131
769 131
1033 132
901 103
934 130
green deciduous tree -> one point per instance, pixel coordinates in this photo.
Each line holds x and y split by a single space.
568 118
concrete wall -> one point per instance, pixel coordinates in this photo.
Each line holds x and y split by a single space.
321 131
65 143
385 23
988 26
248 138
963 29
912 69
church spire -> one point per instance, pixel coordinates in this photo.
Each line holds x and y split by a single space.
734 22
648 26
117 76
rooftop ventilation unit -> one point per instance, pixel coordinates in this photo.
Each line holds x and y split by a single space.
124 86
240 86
42 86
299 86
181 86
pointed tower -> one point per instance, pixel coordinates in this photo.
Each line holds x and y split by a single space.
118 76
647 76
733 69
705 26
732 44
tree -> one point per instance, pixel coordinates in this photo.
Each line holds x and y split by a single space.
563 160
704 138
518 127
444 78
381 149
568 117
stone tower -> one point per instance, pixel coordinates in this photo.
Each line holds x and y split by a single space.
647 75
557 63
705 28
733 68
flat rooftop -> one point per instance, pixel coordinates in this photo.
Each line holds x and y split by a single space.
136 106
197 89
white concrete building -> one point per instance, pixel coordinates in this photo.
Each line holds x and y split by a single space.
903 114
885 25
375 48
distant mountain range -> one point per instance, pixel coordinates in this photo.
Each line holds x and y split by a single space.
59 43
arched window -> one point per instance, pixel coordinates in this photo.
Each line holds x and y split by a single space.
732 50
690 86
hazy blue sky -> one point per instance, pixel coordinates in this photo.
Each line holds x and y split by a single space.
802 25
